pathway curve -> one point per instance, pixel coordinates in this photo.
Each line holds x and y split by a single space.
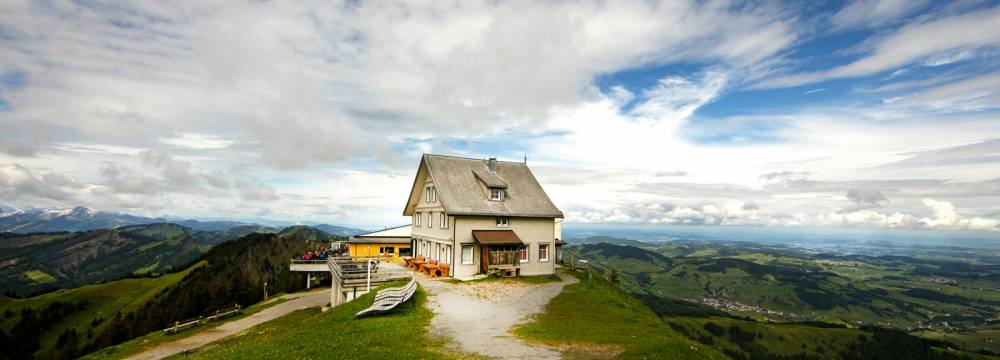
294 302
479 315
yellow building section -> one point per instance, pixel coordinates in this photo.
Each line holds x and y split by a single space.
380 250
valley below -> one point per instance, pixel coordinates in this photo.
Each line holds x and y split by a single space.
952 295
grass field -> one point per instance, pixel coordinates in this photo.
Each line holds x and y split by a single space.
39 276
104 301
311 334
776 339
598 320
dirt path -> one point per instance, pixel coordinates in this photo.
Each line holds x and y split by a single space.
479 316
294 302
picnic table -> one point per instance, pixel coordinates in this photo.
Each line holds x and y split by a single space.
428 268
416 263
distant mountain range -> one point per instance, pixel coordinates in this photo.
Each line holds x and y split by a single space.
25 221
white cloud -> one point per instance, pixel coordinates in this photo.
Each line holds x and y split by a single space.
319 111
943 217
977 93
873 13
913 42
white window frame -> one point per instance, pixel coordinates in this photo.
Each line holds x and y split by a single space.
431 194
503 221
496 194
419 216
540 247
444 220
472 254
430 219
526 256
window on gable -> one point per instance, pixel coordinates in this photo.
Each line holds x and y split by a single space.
431 194
444 220
496 194
503 221
416 218
430 219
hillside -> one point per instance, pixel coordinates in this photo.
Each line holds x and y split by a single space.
77 315
235 232
37 262
598 320
230 273
307 233
752 287
234 273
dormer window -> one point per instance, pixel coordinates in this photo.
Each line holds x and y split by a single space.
431 194
496 194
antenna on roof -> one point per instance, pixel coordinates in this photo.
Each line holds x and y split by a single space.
526 158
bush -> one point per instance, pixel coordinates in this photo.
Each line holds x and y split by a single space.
714 329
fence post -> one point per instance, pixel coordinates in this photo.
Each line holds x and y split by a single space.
176 324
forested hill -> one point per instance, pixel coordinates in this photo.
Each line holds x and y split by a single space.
38 262
230 273
234 273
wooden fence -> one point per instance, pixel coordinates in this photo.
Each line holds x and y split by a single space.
181 325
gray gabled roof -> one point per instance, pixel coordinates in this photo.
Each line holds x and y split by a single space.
460 193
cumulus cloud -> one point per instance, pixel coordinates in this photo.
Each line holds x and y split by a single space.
317 110
729 213
18 184
864 199
943 216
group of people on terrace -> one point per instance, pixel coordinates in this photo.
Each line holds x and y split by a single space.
321 254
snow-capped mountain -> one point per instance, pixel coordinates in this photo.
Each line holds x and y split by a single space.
82 219
75 219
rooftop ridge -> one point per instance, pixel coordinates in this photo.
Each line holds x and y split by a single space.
469 158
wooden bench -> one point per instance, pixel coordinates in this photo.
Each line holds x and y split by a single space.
388 299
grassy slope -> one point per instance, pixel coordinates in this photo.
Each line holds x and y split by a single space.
310 334
105 299
600 316
140 344
779 339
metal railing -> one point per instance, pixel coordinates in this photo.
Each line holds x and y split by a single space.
307 262
347 270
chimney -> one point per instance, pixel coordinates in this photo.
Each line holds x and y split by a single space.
493 165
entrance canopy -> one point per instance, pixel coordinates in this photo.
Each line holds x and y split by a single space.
496 237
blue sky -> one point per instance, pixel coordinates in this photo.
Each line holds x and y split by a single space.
874 114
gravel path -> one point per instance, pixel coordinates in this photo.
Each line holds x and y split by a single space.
294 302
479 316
